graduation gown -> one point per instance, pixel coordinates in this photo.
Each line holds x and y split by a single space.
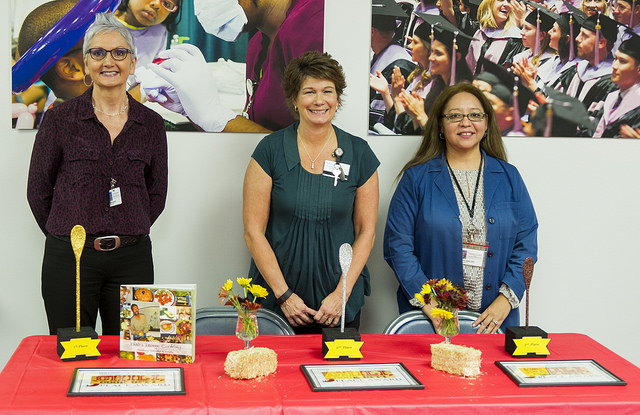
627 112
592 84
392 55
496 45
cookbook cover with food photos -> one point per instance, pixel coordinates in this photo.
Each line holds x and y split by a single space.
158 322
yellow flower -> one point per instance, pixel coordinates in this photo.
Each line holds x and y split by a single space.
439 312
426 289
420 298
258 290
245 282
228 285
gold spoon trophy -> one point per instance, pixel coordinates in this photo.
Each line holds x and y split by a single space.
78 343
342 343
527 341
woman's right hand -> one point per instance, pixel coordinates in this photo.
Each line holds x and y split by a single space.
297 312
397 82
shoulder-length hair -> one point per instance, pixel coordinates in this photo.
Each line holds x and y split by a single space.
486 18
433 146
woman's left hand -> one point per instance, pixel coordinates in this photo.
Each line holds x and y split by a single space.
330 310
491 319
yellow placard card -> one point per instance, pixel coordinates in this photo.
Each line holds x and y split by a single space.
83 346
343 347
536 345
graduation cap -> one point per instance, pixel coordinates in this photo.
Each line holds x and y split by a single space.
575 11
631 46
472 5
570 23
560 116
510 90
542 18
436 27
545 16
384 14
488 78
601 25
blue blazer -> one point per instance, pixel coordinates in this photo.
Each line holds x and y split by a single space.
423 234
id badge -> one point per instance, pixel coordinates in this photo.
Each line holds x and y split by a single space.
115 198
330 167
474 254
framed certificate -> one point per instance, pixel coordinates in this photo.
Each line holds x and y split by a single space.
127 381
558 373
343 377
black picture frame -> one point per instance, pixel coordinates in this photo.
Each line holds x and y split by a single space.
374 376
579 372
119 381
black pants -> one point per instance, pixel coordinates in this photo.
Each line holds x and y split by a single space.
101 274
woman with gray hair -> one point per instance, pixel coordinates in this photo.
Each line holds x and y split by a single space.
100 161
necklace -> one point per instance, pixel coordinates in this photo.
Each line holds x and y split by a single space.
126 107
471 231
313 161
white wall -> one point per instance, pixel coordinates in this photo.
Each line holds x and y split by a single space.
584 191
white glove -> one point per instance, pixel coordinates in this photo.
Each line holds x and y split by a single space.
222 18
187 71
157 89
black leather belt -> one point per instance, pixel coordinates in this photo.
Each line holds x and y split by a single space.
110 242
107 243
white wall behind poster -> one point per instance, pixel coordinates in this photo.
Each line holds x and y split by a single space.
584 191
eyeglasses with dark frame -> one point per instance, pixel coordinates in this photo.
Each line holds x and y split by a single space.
458 117
169 5
118 54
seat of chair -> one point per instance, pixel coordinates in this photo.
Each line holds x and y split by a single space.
223 320
416 322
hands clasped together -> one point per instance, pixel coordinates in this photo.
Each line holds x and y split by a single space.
299 314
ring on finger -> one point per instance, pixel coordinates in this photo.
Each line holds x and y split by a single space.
495 322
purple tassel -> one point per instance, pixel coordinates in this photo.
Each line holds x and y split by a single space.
572 40
547 128
597 47
454 58
536 50
517 123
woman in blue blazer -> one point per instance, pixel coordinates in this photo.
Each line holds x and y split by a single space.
461 212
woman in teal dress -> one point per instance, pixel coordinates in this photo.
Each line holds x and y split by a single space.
297 212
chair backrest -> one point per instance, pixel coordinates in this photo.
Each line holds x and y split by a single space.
416 322
222 320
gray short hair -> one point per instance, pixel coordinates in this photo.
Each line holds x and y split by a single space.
106 23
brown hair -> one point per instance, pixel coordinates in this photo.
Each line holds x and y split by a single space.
433 146
315 65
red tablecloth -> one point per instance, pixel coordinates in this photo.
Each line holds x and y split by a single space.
36 381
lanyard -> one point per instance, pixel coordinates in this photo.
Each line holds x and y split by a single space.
471 209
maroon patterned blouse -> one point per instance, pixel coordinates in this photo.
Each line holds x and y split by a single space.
74 164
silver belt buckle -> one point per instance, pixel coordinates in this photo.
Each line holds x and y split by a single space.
97 243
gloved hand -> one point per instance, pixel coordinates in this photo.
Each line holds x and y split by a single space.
157 89
187 71
222 18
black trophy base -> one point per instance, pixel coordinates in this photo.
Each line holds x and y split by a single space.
77 345
531 342
347 347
